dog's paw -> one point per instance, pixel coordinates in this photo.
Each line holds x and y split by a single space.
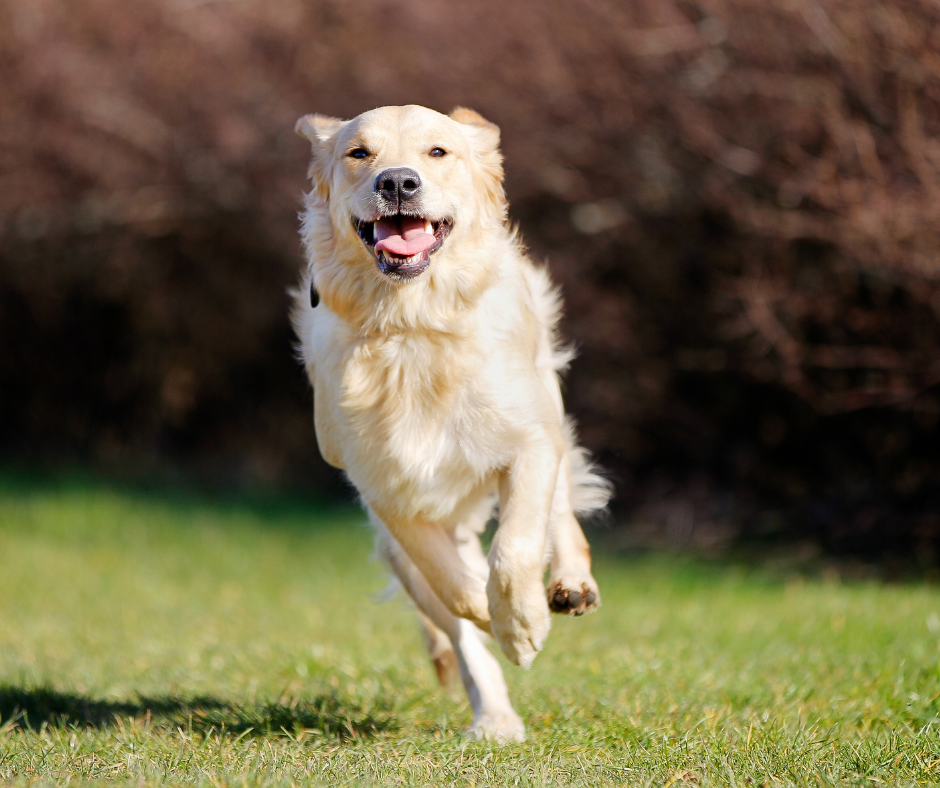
573 597
498 728
519 621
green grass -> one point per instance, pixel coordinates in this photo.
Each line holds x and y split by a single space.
154 640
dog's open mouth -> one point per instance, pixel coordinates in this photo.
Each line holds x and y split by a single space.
402 244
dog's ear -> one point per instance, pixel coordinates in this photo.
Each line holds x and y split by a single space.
488 133
320 130
484 140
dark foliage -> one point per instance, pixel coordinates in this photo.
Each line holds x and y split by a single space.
739 198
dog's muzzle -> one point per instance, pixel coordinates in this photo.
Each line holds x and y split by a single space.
402 244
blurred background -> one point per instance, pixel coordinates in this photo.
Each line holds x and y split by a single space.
739 199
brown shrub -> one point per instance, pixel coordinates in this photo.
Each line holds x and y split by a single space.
738 196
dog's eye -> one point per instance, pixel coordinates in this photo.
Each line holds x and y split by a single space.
438 152
358 153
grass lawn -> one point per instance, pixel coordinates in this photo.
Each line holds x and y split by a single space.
156 641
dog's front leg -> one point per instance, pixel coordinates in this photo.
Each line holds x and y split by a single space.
518 610
571 587
433 551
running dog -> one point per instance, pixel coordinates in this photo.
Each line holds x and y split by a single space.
430 340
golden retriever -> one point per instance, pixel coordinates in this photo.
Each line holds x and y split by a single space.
429 339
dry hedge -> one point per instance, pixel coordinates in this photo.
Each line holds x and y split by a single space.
739 198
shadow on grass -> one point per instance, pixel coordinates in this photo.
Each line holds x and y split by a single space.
33 708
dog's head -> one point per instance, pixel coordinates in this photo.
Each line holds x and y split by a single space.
401 185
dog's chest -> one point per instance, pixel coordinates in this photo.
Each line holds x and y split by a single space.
418 416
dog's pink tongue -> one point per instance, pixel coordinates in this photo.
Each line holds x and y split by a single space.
403 236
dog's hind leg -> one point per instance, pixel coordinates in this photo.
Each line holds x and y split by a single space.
493 715
467 541
440 649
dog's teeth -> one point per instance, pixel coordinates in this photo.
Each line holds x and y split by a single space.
428 227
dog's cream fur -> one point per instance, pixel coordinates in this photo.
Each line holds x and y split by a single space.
439 396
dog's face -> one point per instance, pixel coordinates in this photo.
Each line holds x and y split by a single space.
402 183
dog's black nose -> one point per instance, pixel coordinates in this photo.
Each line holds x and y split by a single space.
398 184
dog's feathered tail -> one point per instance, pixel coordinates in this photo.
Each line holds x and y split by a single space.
590 491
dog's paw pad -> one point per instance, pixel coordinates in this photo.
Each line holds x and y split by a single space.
571 601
